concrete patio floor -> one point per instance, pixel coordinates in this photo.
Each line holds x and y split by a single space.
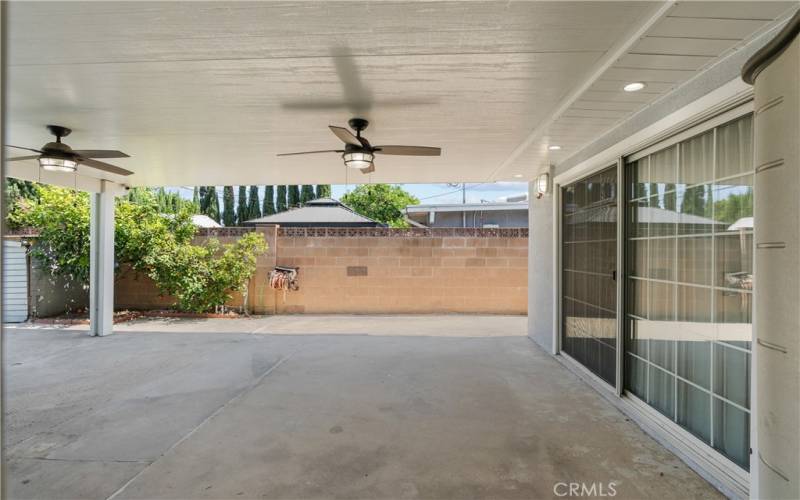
300 407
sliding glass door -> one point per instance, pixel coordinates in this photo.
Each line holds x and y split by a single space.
689 277
589 267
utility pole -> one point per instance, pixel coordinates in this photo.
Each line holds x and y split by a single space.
463 200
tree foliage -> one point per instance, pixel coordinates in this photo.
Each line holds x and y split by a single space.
200 277
210 203
293 197
734 206
62 218
18 191
696 201
306 193
241 205
280 199
166 202
228 212
253 204
269 205
323 191
381 202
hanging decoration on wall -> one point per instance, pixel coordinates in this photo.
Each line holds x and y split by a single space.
283 278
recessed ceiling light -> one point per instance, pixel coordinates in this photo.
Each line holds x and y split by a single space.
518 176
554 148
633 87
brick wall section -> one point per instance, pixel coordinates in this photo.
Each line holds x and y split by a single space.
377 270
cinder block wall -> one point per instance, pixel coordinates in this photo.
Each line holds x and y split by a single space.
377 270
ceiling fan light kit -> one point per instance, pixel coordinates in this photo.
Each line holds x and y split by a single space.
360 159
359 153
59 157
58 164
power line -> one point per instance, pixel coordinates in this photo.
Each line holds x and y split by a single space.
454 191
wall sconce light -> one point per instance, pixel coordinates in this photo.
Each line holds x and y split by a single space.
542 185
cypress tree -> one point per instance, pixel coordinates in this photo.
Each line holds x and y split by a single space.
280 202
654 198
306 193
293 197
215 203
269 204
202 197
253 205
212 203
323 191
241 205
228 213
196 197
670 197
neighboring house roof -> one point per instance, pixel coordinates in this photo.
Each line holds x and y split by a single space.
201 220
653 215
322 212
467 207
743 223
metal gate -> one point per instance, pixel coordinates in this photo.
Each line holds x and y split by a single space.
15 282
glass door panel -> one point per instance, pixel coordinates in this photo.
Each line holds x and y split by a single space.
689 253
589 267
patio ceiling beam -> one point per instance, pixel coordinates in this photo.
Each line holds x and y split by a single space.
606 62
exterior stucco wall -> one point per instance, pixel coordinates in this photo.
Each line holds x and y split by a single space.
503 218
541 275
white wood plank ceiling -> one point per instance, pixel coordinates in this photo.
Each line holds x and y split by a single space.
208 93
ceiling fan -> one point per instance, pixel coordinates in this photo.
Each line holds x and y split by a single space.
359 153
59 157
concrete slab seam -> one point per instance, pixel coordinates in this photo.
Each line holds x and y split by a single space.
216 412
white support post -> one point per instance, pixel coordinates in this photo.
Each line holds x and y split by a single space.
101 264
542 270
775 463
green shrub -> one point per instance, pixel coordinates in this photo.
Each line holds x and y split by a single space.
203 277
200 277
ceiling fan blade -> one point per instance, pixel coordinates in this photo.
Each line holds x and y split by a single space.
357 96
26 149
368 170
105 167
100 153
20 158
346 136
408 150
322 105
312 152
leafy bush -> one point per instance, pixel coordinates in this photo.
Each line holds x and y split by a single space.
203 277
200 277
62 217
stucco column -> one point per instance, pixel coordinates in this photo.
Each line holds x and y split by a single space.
775 463
101 263
541 272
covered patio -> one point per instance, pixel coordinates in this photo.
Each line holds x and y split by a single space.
607 109
445 407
